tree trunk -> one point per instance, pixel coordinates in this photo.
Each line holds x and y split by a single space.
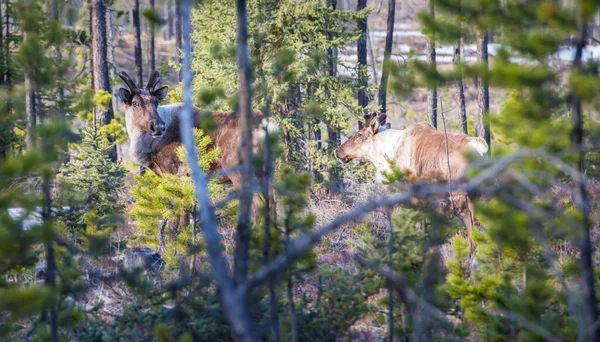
111 52
332 135
91 39
372 54
483 122
137 46
103 116
151 52
169 29
432 95
385 71
462 115
30 110
361 50
590 310
178 24
6 47
242 239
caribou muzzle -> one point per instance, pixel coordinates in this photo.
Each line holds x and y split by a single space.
156 128
341 155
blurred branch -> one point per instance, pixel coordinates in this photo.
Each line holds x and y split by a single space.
401 285
305 241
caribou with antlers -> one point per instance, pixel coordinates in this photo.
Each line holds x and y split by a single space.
420 151
154 130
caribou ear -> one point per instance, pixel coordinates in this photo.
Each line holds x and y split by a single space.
382 117
125 95
161 92
374 126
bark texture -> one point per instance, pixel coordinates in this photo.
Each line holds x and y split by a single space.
361 51
103 115
432 94
483 122
387 54
137 46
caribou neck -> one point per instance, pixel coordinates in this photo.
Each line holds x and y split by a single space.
384 150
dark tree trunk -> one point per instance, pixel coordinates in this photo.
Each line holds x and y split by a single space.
432 95
50 263
137 45
361 50
91 39
462 114
385 71
483 122
6 46
242 238
103 116
590 309
151 52
178 24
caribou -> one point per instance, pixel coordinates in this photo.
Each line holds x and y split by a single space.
154 136
154 130
420 151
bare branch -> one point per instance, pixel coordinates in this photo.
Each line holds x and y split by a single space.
401 285
301 244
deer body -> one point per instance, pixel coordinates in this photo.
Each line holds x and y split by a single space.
419 151
154 134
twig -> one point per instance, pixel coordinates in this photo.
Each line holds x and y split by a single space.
447 153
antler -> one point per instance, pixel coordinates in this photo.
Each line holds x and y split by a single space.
153 81
130 83
381 117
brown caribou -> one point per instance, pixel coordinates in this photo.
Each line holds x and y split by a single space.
154 133
419 151
154 130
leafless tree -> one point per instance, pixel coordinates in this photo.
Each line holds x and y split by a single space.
580 192
361 50
387 54
103 115
151 32
137 45
432 95
483 122
462 114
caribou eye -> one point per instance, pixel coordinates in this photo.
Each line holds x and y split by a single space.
135 104
359 135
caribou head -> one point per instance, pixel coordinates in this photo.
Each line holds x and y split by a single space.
141 104
358 146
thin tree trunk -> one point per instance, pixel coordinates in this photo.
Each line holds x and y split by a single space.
390 284
169 30
6 47
483 122
372 54
432 95
50 264
137 46
29 109
290 285
590 309
361 50
111 53
103 116
91 39
242 239
3 56
151 52
385 71
233 298
178 24
332 134
462 115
